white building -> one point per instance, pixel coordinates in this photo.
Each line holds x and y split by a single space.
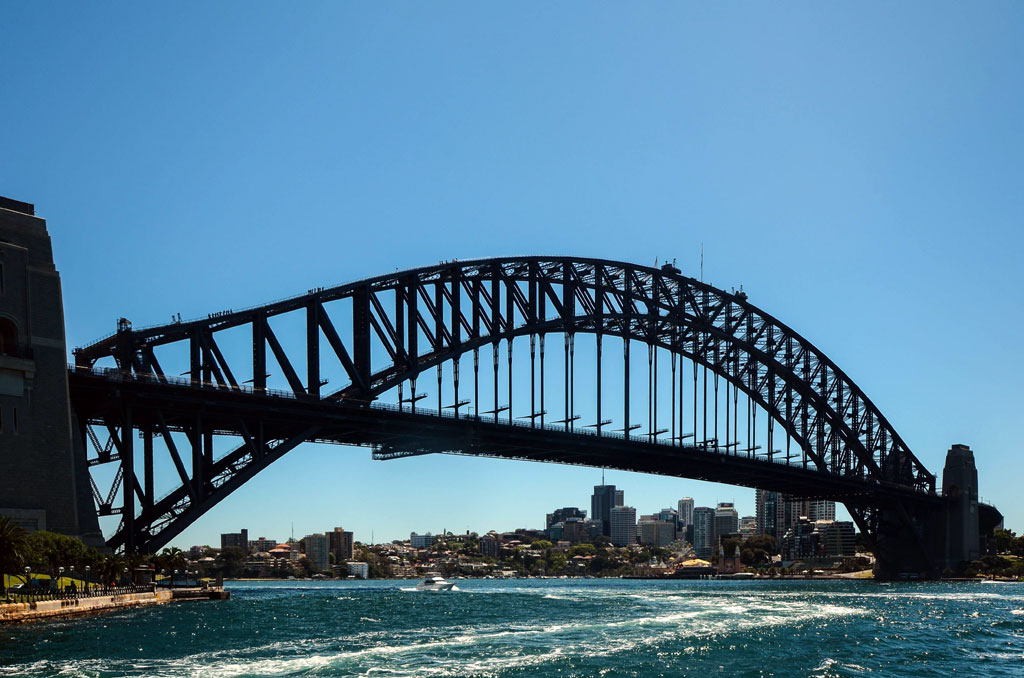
623 525
421 541
361 570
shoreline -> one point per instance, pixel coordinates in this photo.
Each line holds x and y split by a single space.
19 613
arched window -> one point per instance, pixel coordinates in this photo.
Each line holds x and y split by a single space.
8 337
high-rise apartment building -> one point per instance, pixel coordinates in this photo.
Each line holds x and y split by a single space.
703 531
341 545
601 504
685 508
318 551
821 509
490 544
623 525
764 509
239 539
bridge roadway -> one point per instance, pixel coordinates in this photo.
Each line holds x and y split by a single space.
392 432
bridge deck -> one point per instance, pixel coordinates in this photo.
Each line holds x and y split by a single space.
396 432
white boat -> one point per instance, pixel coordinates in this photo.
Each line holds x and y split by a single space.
435 582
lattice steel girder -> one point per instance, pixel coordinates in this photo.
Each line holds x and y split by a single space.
268 426
461 306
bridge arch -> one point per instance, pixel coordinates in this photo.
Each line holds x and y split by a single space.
432 316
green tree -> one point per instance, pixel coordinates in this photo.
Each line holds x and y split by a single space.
170 559
1004 540
12 547
556 562
232 561
765 542
306 565
583 550
46 551
541 544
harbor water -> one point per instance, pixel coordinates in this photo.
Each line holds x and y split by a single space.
540 628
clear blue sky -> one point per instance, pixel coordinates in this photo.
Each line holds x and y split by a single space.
857 168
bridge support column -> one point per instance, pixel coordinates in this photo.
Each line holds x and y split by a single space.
928 539
44 481
906 541
960 488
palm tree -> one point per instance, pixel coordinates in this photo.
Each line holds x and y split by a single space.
13 543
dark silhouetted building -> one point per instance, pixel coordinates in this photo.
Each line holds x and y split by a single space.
239 539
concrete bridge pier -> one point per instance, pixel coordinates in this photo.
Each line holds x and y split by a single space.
44 477
963 540
922 540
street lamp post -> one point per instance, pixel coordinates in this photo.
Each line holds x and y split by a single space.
60 575
87 568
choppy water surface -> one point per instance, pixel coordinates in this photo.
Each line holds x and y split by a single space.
544 628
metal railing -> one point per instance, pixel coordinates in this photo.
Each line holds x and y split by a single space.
709 447
37 594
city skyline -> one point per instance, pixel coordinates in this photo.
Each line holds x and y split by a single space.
550 518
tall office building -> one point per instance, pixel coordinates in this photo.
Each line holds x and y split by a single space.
703 531
685 508
727 521
562 515
601 504
341 544
668 515
623 525
620 498
239 539
656 532
318 551
777 513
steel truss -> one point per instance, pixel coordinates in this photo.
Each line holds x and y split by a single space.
431 317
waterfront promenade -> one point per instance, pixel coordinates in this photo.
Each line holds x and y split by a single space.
118 598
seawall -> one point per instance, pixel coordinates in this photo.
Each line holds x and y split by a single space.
12 613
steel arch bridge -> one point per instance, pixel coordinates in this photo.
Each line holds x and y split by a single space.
218 399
